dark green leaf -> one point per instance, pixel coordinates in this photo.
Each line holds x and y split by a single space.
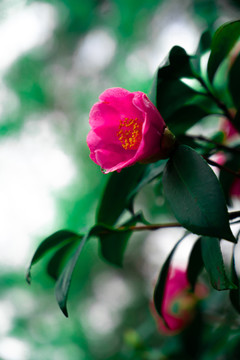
195 264
56 262
56 239
204 43
195 195
213 262
180 62
161 282
234 81
223 41
184 118
171 93
114 242
119 186
236 121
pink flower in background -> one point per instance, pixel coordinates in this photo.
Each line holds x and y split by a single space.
231 134
178 306
125 128
229 130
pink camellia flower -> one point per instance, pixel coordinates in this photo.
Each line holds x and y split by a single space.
179 303
125 128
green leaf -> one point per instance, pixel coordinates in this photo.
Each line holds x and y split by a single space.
234 81
184 118
195 264
58 238
223 41
171 92
64 281
213 262
114 242
114 199
56 262
194 194
161 282
152 172
204 43
180 62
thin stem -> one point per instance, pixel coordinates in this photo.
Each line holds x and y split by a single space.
210 141
230 171
149 227
232 215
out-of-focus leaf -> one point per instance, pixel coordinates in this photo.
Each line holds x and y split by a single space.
184 118
195 264
114 242
64 281
234 81
236 121
58 238
56 262
152 172
213 262
223 41
204 43
180 62
194 193
114 199
161 282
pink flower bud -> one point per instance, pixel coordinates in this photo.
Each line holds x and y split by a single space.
126 128
179 303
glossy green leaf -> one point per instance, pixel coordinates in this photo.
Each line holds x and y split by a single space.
114 199
113 243
58 238
184 118
234 81
195 195
223 41
195 264
161 282
213 262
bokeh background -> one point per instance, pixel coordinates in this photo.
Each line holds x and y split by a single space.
56 57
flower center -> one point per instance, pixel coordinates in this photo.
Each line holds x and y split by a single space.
130 133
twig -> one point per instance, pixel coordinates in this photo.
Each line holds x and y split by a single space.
210 141
230 171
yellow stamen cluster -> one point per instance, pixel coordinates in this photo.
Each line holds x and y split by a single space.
130 133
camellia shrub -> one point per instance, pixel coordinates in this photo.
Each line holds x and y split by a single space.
139 139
